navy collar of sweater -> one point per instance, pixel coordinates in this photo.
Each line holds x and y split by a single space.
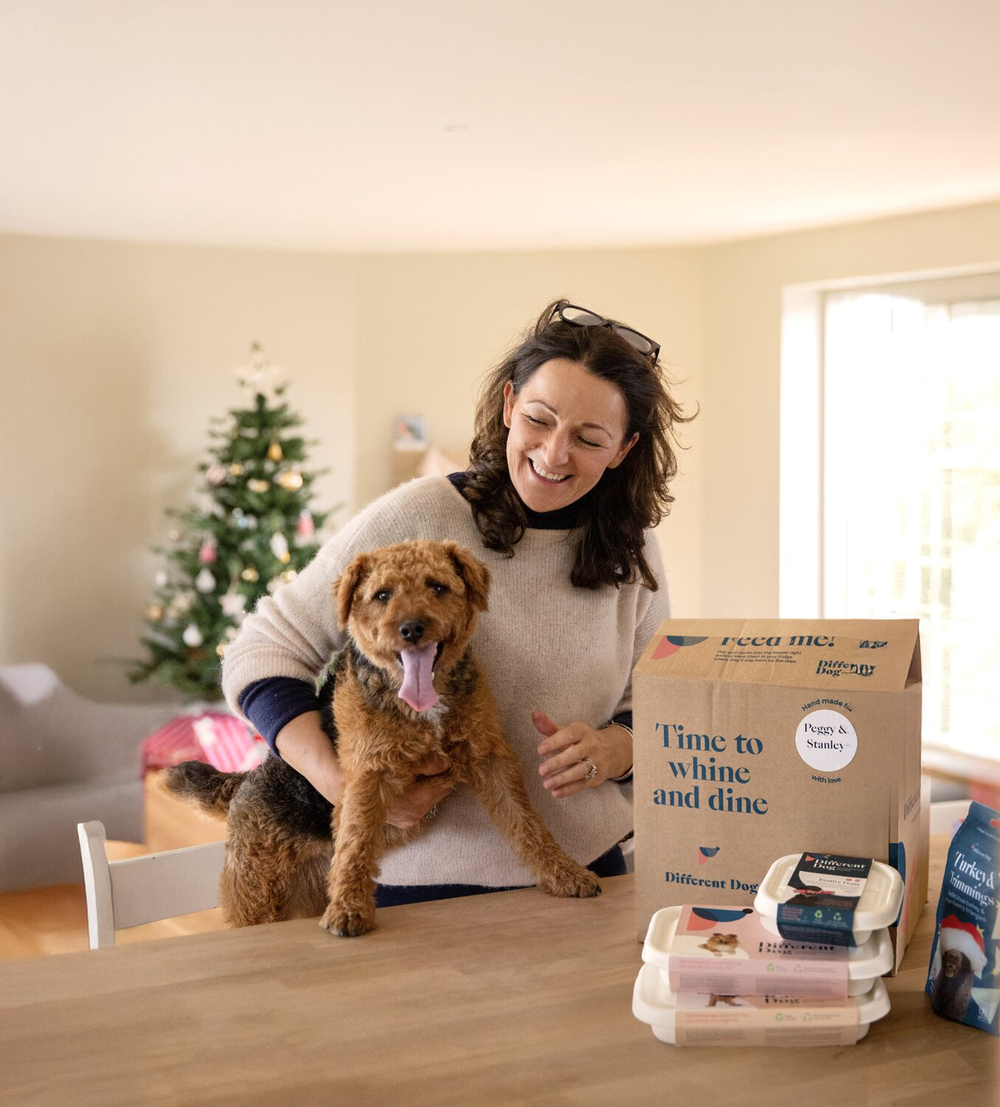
563 518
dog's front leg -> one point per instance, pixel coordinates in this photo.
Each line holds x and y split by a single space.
359 843
497 782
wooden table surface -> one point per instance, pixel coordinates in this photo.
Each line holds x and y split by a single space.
514 998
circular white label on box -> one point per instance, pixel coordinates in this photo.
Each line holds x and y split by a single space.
826 740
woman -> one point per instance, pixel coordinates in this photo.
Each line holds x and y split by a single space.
569 470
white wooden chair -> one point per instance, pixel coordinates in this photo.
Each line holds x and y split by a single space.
139 890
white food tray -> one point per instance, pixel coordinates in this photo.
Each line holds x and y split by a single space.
655 1004
878 906
865 963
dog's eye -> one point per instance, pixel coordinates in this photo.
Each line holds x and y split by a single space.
437 588
384 596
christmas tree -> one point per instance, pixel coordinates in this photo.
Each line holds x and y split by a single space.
254 533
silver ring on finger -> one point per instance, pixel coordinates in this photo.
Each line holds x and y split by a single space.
593 768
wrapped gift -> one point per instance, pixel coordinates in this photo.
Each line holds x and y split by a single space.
220 739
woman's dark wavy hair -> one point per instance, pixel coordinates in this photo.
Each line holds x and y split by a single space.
626 500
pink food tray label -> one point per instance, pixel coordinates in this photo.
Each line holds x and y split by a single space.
728 951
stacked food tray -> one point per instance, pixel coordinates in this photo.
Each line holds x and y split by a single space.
724 975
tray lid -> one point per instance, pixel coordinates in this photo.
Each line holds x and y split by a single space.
869 960
877 907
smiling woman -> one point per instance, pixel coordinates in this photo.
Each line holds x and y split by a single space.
569 470
566 427
580 398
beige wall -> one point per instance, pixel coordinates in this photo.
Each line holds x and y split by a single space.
114 357
430 326
742 354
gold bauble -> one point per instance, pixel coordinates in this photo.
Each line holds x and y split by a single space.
256 485
154 613
250 575
290 480
236 469
274 451
220 649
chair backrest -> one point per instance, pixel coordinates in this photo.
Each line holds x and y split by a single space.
139 890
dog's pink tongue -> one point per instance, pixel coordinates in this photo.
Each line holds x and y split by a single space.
418 676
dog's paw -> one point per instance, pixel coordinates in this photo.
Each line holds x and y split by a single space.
571 881
348 922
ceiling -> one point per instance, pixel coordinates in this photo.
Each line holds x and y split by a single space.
402 125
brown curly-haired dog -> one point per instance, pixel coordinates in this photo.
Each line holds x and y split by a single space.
405 687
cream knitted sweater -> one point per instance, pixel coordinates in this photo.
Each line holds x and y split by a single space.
543 644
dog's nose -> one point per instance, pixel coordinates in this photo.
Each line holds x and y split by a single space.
412 630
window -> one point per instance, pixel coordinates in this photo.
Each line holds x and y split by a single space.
905 473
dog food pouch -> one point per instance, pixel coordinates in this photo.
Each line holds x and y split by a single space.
962 981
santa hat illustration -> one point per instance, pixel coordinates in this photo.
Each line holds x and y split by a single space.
965 938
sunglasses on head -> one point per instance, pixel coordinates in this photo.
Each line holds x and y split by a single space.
581 317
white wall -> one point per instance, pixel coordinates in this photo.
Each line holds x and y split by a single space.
115 356
430 326
113 359
742 357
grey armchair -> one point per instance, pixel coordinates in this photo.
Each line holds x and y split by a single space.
64 760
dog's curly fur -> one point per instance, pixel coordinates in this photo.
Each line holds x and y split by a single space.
280 861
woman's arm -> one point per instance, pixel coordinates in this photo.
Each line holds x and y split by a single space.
306 747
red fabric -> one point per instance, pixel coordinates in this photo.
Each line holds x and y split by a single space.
221 740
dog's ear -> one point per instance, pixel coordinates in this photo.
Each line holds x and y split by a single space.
346 586
473 572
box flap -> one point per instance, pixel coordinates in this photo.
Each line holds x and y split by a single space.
880 655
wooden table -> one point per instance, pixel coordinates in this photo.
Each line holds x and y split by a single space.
515 998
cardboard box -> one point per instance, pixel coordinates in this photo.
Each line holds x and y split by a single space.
755 739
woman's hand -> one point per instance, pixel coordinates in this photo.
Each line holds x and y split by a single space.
305 746
570 750
423 794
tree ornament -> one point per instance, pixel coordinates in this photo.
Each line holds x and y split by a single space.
154 613
289 575
175 534
184 601
250 575
220 649
305 527
205 581
259 486
274 451
236 469
260 378
216 475
209 553
233 604
290 480
279 547
192 636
